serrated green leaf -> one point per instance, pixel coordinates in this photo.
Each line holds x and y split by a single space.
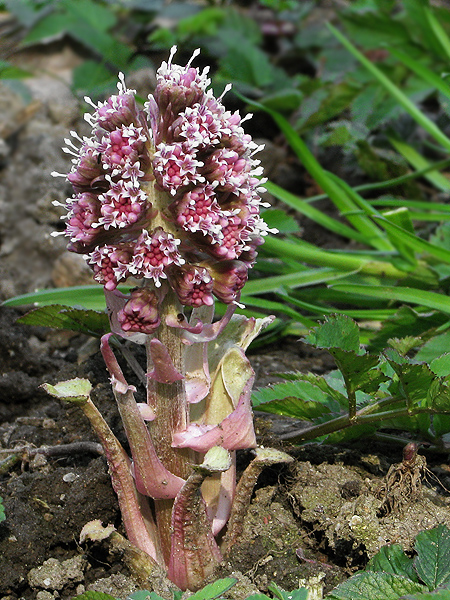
416 379
405 345
432 561
214 590
441 365
435 347
297 408
358 370
57 316
392 559
435 595
2 510
337 331
308 398
379 586
94 596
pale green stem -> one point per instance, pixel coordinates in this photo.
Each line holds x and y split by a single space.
170 403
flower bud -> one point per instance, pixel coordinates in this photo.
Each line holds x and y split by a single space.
140 313
84 213
229 277
192 284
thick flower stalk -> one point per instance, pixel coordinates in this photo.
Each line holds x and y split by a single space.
166 199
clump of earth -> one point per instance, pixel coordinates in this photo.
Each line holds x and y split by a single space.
314 522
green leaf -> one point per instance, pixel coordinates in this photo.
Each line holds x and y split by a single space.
49 27
93 78
337 331
392 559
284 100
421 70
372 29
413 241
214 590
248 64
274 217
2 510
57 316
432 562
205 22
97 15
416 379
436 346
292 280
379 586
441 365
300 594
336 99
143 595
95 596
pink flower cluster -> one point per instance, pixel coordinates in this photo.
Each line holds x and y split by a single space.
169 192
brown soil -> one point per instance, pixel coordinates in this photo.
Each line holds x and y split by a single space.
316 521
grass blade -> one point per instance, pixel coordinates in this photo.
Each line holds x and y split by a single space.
438 31
401 98
292 280
419 162
313 213
414 242
400 294
85 296
421 71
349 263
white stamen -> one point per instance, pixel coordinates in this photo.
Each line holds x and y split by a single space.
173 51
194 55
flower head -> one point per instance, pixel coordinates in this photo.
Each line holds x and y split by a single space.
169 192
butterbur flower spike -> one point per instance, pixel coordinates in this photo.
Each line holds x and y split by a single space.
166 199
